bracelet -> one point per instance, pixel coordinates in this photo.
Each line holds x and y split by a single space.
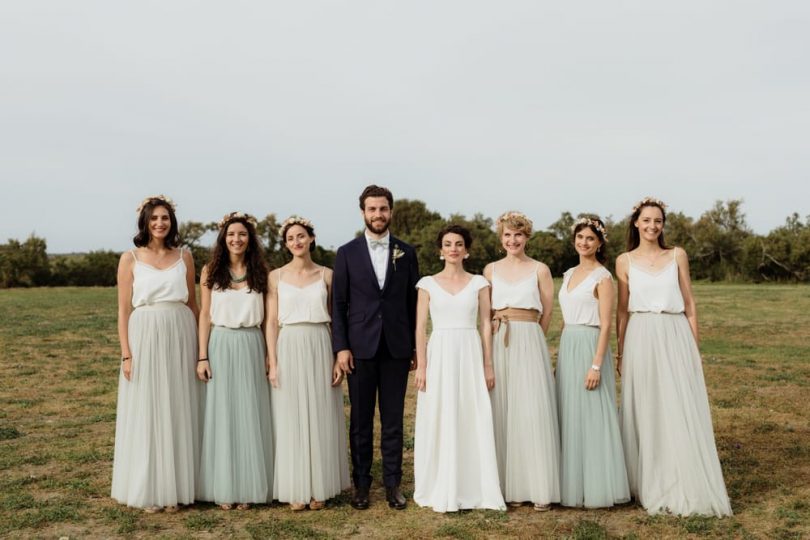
202 360
125 358
596 368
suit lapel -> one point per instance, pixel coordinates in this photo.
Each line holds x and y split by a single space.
389 272
362 247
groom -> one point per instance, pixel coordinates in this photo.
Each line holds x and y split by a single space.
373 323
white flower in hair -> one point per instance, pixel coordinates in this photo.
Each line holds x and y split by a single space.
297 220
649 201
161 197
235 215
591 223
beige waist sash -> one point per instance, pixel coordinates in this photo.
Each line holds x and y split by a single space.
503 316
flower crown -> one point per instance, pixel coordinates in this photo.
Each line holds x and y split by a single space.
512 215
596 224
296 220
649 201
227 218
151 198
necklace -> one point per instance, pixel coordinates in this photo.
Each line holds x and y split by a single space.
237 279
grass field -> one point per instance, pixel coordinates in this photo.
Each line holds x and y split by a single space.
58 380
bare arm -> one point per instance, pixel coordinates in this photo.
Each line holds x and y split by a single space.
271 327
485 329
685 282
125 279
191 282
604 295
546 284
422 309
337 372
622 313
204 331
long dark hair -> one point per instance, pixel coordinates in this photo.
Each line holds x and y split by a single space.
592 223
633 237
219 274
142 238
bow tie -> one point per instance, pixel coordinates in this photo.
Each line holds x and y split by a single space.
378 244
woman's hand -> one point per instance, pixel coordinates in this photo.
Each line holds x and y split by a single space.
489 376
272 375
126 367
592 379
204 371
420 378
337 374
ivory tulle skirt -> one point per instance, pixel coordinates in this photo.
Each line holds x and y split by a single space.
672 461
592 470
237 448
157 435
310 427
524 410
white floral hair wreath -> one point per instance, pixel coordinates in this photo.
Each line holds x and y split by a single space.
508 216
151 198
649 201
591 223
296 220
227 218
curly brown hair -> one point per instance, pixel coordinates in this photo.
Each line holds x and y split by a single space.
219 275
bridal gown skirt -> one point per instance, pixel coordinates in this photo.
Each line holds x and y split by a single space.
672 461
454 451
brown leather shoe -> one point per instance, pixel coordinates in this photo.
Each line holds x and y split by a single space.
360 498
395 498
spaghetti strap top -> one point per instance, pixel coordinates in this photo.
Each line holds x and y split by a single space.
522 294
305 304
237 308
657 292
152 285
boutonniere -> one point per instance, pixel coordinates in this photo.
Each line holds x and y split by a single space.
396 253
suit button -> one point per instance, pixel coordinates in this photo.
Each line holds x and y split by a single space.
379 316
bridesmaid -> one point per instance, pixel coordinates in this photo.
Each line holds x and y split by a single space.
311 463
672 462
157 443
592 472
237 452
524 407
454 456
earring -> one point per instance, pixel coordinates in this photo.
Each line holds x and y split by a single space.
441 257
467 256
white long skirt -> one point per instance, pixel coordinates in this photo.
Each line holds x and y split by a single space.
672 461
157 435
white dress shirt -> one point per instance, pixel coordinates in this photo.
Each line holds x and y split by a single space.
379 256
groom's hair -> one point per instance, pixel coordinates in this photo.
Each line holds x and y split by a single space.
376 191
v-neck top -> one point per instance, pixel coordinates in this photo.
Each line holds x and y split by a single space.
655 292
453 311
523 293
152 285
579 305
305 304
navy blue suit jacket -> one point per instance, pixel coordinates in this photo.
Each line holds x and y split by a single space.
361 312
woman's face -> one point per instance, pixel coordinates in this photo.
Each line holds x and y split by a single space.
513 241
237 238
160 223
453 247
650 223
297 240
586 242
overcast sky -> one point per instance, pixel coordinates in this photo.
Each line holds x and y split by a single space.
294 106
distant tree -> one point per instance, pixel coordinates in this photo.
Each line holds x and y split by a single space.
191 234
94 269
719 236
24 264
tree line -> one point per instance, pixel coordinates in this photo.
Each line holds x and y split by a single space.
720 244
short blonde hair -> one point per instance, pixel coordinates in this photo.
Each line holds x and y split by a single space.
514 220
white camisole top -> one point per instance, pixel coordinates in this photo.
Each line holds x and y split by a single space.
657 292
523 293
305 304
237 308
152 285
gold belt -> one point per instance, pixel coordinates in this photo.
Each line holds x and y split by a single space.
513 314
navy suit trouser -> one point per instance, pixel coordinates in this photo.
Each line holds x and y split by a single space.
388 378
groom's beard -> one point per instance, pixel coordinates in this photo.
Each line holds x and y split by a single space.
378 226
